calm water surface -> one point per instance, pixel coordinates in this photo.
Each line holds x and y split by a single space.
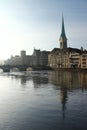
43 101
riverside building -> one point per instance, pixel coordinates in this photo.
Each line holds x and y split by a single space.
67 57
38 58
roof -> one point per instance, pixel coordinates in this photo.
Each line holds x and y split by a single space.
58 50
74 50
63 29
54 50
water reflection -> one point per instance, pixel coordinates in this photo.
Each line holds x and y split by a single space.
37 77
67 81
63 81
40 78
63 98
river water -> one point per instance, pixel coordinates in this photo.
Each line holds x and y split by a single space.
43 100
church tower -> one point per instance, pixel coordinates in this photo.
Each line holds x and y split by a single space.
63 39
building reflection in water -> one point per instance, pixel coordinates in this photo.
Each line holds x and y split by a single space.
70 80
67 81
62 80
39 79
22 78
63 98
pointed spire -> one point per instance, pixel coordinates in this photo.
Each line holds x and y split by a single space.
63 38
63 29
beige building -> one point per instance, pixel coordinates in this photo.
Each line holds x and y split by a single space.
66 57
84 60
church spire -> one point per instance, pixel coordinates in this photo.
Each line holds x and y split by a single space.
63 29
63 39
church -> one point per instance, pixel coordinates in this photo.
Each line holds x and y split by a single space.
67 57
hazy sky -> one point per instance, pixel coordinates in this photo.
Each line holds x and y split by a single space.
28 24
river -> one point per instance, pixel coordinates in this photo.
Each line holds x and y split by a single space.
43 100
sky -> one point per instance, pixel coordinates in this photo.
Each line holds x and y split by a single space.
29 24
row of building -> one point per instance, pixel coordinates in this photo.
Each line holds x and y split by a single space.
38 58
63 57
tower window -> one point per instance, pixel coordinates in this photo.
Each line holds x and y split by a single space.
61 43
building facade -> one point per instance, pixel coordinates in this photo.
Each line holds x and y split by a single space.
21 59
40 58
66 57
84 60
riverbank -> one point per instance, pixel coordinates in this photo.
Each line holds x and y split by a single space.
72 69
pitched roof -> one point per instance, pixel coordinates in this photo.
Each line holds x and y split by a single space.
54 50
58 50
